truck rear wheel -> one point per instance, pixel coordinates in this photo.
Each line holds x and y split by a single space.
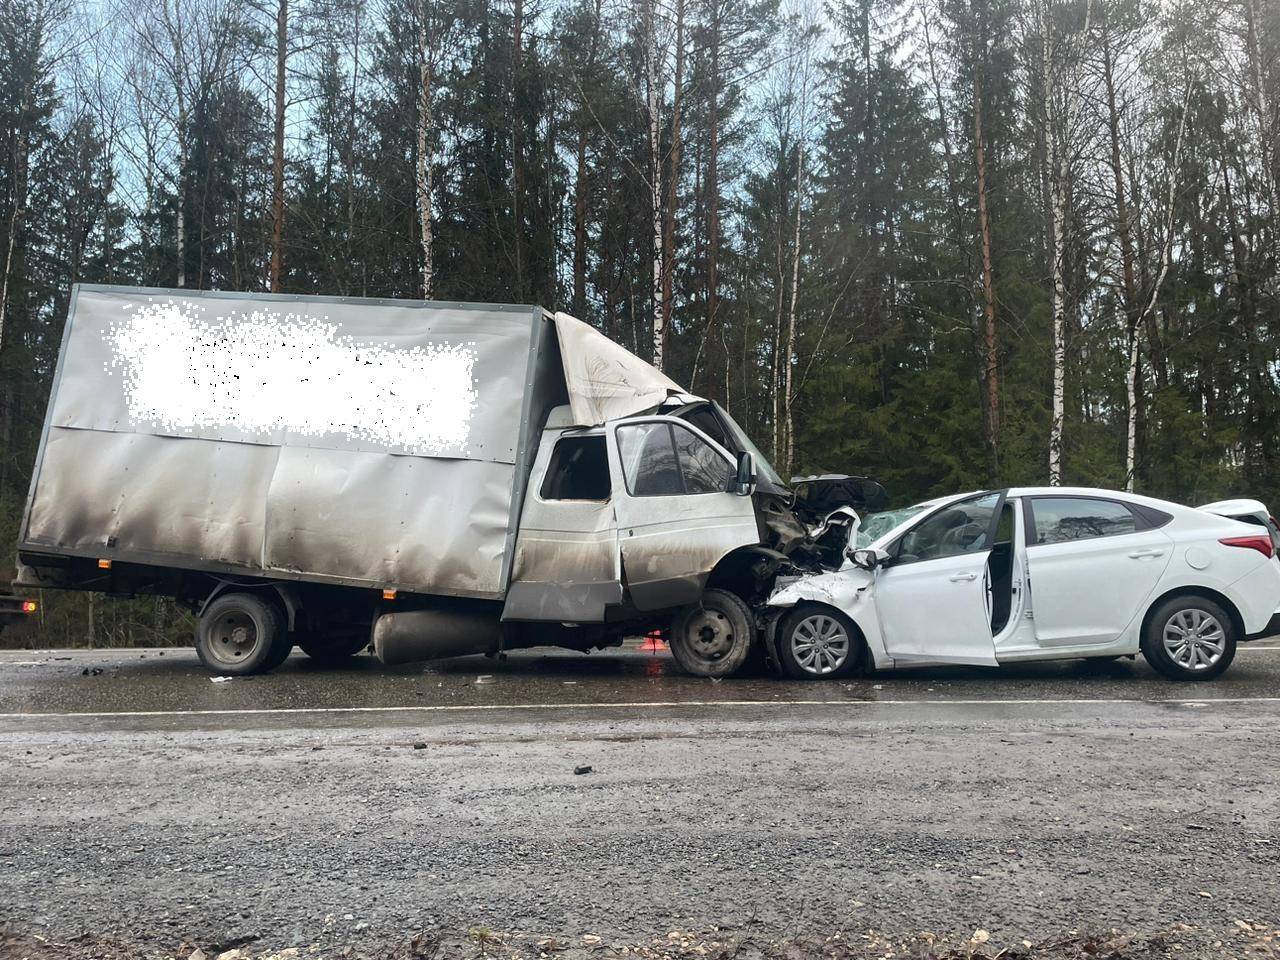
240 633
714 637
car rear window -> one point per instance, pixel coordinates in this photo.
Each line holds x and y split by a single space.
1063 519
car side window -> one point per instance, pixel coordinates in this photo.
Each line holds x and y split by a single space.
1063 519
956 529
705 470
649 460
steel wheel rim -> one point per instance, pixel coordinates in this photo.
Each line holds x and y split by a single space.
233 637
820 644
709 635
1194 639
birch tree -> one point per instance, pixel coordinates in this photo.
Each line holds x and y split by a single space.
1060 57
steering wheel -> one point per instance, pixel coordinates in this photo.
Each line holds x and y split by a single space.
960 539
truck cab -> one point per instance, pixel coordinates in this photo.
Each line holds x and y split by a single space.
635 514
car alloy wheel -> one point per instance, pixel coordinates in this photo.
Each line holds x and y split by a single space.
1194 639
820 644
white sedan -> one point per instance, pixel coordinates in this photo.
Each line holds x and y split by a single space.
1034 573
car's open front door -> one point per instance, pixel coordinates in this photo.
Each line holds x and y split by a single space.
931 596
675 512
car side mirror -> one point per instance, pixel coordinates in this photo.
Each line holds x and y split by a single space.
867 559
744 481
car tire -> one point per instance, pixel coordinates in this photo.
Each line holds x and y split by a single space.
714 637
1189 638
333 649
241 634
819 643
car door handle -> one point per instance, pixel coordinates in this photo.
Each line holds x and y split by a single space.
1146 554
961 577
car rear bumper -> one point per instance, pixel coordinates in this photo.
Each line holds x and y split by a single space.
1270 630
1257 597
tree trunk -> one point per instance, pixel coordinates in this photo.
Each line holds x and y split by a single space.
944 129
655 178
277 160
1129 292
425 172
580 227
712 185
673 175
1265 118
580 186
517 144
1055 154
20 160
179 77
789 360
776 371
990 374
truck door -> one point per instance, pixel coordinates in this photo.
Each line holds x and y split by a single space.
675 512
566 562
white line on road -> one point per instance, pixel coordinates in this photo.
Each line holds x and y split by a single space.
634 705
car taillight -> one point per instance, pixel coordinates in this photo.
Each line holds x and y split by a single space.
28 606
1259 543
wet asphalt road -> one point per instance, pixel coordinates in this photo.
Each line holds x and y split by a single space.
359 805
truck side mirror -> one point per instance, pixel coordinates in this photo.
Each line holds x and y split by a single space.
744 482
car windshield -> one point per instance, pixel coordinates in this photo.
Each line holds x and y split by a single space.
876 525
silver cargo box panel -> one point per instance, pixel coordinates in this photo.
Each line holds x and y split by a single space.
369 442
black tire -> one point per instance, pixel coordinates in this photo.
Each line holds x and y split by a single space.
332 649
241 634
714 637
281 654
819 643
1207 626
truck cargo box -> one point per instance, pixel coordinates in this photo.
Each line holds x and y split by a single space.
353 441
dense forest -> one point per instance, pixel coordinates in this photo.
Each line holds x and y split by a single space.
944 243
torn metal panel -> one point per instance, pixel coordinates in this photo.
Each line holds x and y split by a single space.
605 380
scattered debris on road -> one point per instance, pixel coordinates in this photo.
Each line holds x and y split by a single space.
579 771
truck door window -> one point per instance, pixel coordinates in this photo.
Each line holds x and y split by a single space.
667 460
579 470
649 460
705 470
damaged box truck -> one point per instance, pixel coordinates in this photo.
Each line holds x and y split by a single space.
435 478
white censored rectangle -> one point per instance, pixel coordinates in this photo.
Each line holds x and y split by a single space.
266 372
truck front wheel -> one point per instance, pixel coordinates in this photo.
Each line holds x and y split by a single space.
713 638
240 634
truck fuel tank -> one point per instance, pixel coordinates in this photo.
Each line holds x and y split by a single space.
409 636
